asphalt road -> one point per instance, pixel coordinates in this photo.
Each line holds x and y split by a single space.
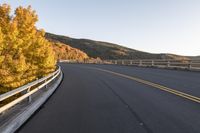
94 101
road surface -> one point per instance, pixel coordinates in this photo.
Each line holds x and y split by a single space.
105 99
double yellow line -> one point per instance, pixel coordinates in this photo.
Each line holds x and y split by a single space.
164 88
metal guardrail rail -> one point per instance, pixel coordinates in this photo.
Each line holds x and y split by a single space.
27 89
162 63
183 64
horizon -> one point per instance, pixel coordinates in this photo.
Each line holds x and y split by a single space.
171 26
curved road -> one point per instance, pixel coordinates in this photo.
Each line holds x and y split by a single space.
92 99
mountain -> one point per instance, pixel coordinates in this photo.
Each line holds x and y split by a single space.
105 50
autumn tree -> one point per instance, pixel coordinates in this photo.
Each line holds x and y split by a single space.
25 54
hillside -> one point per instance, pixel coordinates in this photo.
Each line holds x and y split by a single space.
106 50
66 52
196 58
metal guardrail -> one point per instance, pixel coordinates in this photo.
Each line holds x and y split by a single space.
183 64
162 63
27 89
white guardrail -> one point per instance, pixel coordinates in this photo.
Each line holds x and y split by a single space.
161 63
26 91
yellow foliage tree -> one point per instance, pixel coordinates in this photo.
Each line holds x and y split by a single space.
5 17
25 54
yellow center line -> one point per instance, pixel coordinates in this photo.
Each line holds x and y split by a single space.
158 86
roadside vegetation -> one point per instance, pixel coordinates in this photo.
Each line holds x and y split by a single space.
25 54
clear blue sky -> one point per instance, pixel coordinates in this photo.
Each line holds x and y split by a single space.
158 26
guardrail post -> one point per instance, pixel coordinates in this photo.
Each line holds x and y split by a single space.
131 62
152 63
46 84
190 65
140 63
29 98
122 62
116 62
168 63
